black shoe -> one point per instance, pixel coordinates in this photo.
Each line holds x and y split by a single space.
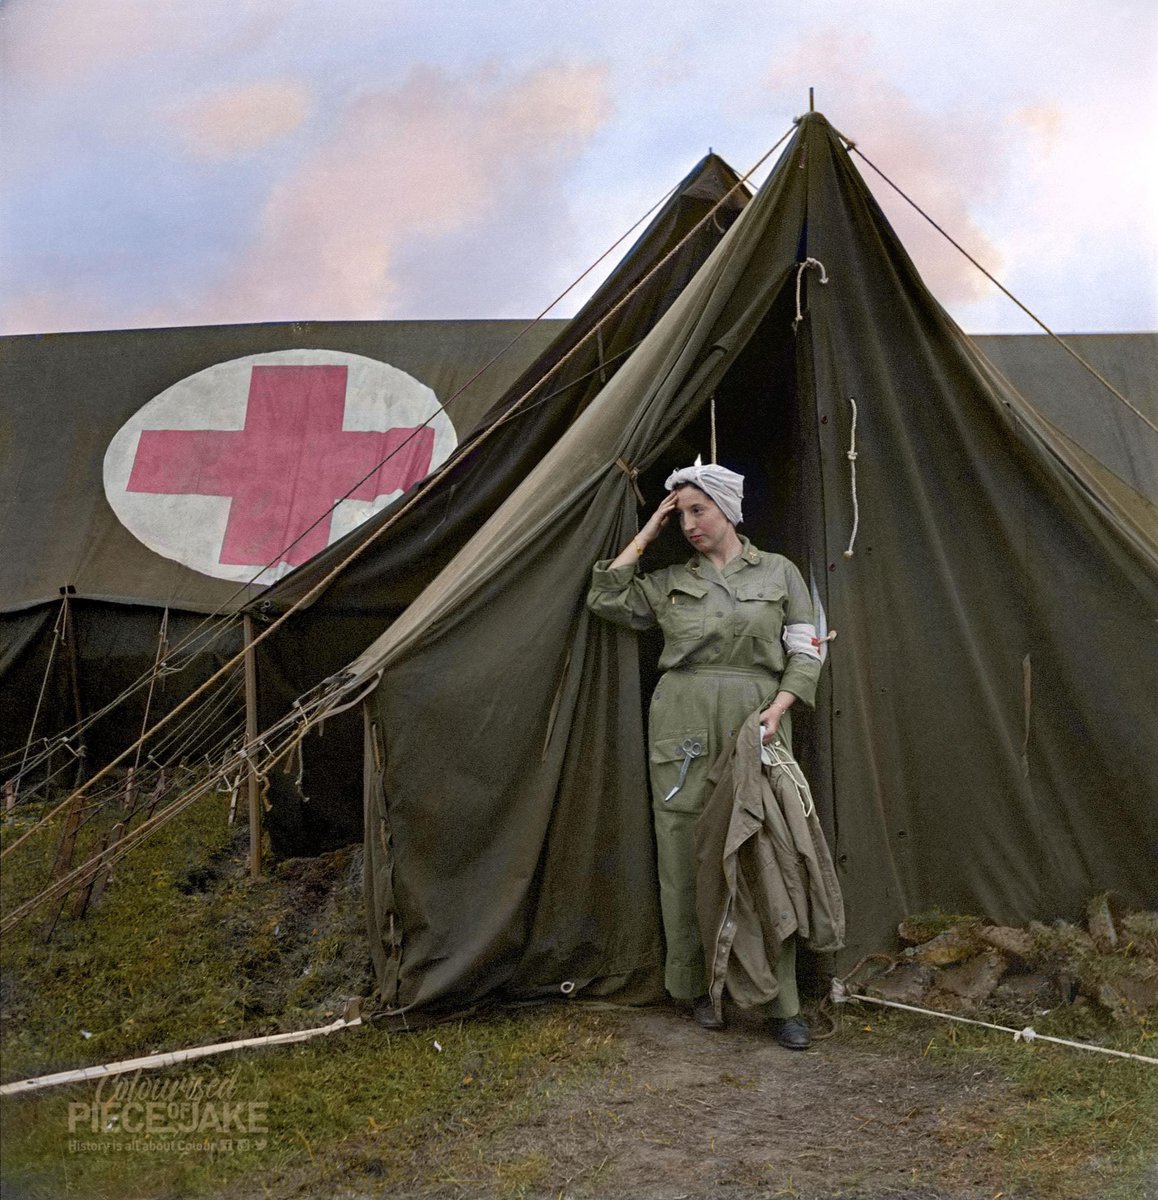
792 1033
704 1013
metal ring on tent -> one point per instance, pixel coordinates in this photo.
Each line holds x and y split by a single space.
567 987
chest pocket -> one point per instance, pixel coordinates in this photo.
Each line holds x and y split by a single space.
759 608
684 609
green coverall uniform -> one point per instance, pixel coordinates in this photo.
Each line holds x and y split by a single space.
722 659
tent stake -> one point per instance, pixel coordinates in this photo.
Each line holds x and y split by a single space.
250 740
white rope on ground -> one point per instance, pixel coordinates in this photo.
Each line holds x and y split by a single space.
852 471
155 1061
808 262
840 994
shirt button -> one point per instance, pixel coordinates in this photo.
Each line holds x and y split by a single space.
719 614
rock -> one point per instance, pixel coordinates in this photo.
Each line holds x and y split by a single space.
1017 943
975 979
952 946
1130 997
916 930
905 984
1100 923
1031 987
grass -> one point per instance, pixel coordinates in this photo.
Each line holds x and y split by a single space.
364 1108
184 949
1067 1124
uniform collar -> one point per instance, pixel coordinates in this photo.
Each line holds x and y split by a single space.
749 556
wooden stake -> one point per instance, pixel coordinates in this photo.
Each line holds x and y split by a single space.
9 800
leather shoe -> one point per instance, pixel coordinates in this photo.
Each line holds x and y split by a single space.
705 1014
792 1033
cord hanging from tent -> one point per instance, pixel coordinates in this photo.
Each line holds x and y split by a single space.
851 456
713 414
801 268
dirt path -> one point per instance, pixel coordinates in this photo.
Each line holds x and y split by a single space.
692 1115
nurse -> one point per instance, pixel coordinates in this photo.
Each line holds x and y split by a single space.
738 635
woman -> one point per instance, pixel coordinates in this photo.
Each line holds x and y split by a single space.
738 632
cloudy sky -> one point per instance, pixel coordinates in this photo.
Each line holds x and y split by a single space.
186 162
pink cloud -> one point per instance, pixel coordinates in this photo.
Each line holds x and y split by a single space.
51 43
950 164
426 160
242 119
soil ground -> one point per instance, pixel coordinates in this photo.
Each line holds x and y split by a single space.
686 1114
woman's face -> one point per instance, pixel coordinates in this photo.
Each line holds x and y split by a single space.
702 521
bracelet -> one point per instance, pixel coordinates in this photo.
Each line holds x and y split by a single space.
638 547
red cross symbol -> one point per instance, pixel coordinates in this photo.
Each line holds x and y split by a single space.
286 468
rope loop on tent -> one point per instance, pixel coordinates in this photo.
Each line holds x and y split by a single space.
632 474
814 263
851 455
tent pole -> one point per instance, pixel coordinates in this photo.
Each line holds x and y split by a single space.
811 101
250 740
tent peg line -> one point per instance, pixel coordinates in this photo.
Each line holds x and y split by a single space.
154 1062
840 994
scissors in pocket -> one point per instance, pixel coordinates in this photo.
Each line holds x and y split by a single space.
690 748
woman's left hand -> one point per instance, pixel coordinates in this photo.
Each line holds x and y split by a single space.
770 719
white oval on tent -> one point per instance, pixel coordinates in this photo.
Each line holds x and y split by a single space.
241 469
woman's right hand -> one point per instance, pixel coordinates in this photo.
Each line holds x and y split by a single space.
658 519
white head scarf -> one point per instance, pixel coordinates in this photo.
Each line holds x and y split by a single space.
725 487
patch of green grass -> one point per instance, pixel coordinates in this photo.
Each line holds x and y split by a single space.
1082 1123
363 1108
185 949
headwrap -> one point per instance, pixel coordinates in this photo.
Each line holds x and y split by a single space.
725 487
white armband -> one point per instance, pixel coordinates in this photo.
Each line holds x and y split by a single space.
800 638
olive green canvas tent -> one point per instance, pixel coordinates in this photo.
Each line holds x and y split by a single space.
984 739
86 603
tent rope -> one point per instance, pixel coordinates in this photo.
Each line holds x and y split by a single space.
852 146
808 262
56 635
713 411
162 641
851 455
840 994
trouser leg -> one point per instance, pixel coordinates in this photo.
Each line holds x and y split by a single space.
787 1002
684 973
